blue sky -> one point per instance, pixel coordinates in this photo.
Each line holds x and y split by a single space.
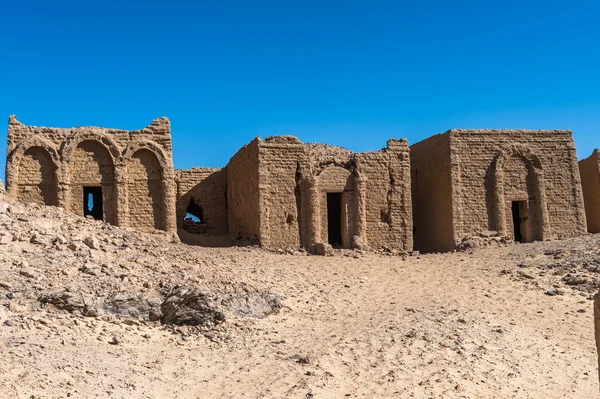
341 72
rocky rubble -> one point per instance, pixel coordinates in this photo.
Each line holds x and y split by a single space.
562 268
482 240
55 262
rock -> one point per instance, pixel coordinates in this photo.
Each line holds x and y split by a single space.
254 304
92 242
75 246
5 238
2 189
576 280
175 239
63 300
134 306
192 307
27 273
60 240
115 340
36 239
324 249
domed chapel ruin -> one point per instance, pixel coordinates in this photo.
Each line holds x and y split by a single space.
282 193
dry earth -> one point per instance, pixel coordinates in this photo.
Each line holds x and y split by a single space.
500 322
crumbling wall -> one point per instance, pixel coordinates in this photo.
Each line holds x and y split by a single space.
243 192
294 180
207 188
590 181
387 192
481 161
431 183
281 160
94 156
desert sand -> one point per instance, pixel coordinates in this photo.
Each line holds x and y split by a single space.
509 321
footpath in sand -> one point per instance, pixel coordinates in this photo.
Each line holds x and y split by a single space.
84 313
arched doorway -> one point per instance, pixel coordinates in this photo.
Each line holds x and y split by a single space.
337 199
92 181
519 196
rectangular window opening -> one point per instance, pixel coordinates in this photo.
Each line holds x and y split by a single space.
92 202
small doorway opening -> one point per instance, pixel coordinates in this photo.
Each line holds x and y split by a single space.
92 202
334 219
520 217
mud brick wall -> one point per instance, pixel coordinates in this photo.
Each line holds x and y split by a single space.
243 193
552 152
134 169
293 180
388 205
280 161
207 188
38 178
432 194
145 191
488 170
590 181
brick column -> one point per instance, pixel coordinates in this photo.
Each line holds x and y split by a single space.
360 239
122 216
311 203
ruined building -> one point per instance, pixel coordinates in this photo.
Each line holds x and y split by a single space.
523 184
590 182
284 193
125 178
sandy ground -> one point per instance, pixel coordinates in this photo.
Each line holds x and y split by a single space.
459 325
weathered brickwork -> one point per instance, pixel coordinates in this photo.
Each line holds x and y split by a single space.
494 174
206 188
133 170
590 181
243 218
300 188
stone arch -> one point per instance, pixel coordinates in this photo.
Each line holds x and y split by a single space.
73 142
152 146
145 190
32 172
91 163
531 190
350 166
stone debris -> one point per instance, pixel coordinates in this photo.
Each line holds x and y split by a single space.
67 263
191 306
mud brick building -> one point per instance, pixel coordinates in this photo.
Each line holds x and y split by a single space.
286 193
519 183
125 178
590 182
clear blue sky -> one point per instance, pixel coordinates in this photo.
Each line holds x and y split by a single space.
341 72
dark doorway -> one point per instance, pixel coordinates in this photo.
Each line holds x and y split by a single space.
334 219
516 215
92 202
